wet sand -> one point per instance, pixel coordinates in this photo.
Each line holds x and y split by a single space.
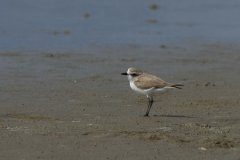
76 105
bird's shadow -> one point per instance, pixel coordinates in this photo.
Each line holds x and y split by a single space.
174 116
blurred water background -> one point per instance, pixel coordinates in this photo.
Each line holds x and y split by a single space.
73 24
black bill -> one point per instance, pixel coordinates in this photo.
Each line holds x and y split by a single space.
124 73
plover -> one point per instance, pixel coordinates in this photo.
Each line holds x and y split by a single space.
148 85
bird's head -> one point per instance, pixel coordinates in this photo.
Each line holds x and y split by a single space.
132 73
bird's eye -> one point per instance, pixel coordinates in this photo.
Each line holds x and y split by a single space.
134 74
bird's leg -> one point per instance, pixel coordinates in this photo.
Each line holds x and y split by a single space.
149 106
151 103
150 100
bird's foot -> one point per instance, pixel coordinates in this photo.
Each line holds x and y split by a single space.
146 115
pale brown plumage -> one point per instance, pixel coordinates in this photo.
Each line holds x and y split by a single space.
146 81
135 71
147 84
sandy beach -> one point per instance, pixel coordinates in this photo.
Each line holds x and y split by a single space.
74 105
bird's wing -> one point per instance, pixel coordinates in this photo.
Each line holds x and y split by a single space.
146 81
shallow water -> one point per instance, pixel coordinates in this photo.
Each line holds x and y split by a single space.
58 24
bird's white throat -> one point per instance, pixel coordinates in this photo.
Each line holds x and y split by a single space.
130 77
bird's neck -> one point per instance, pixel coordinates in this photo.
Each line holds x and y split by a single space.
130 78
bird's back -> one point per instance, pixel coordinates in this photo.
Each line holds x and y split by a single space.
146 81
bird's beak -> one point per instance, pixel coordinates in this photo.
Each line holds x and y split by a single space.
124 73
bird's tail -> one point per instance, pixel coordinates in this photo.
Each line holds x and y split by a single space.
176 85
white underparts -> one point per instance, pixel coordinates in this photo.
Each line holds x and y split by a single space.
151 91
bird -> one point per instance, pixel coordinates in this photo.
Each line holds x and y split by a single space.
149 85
